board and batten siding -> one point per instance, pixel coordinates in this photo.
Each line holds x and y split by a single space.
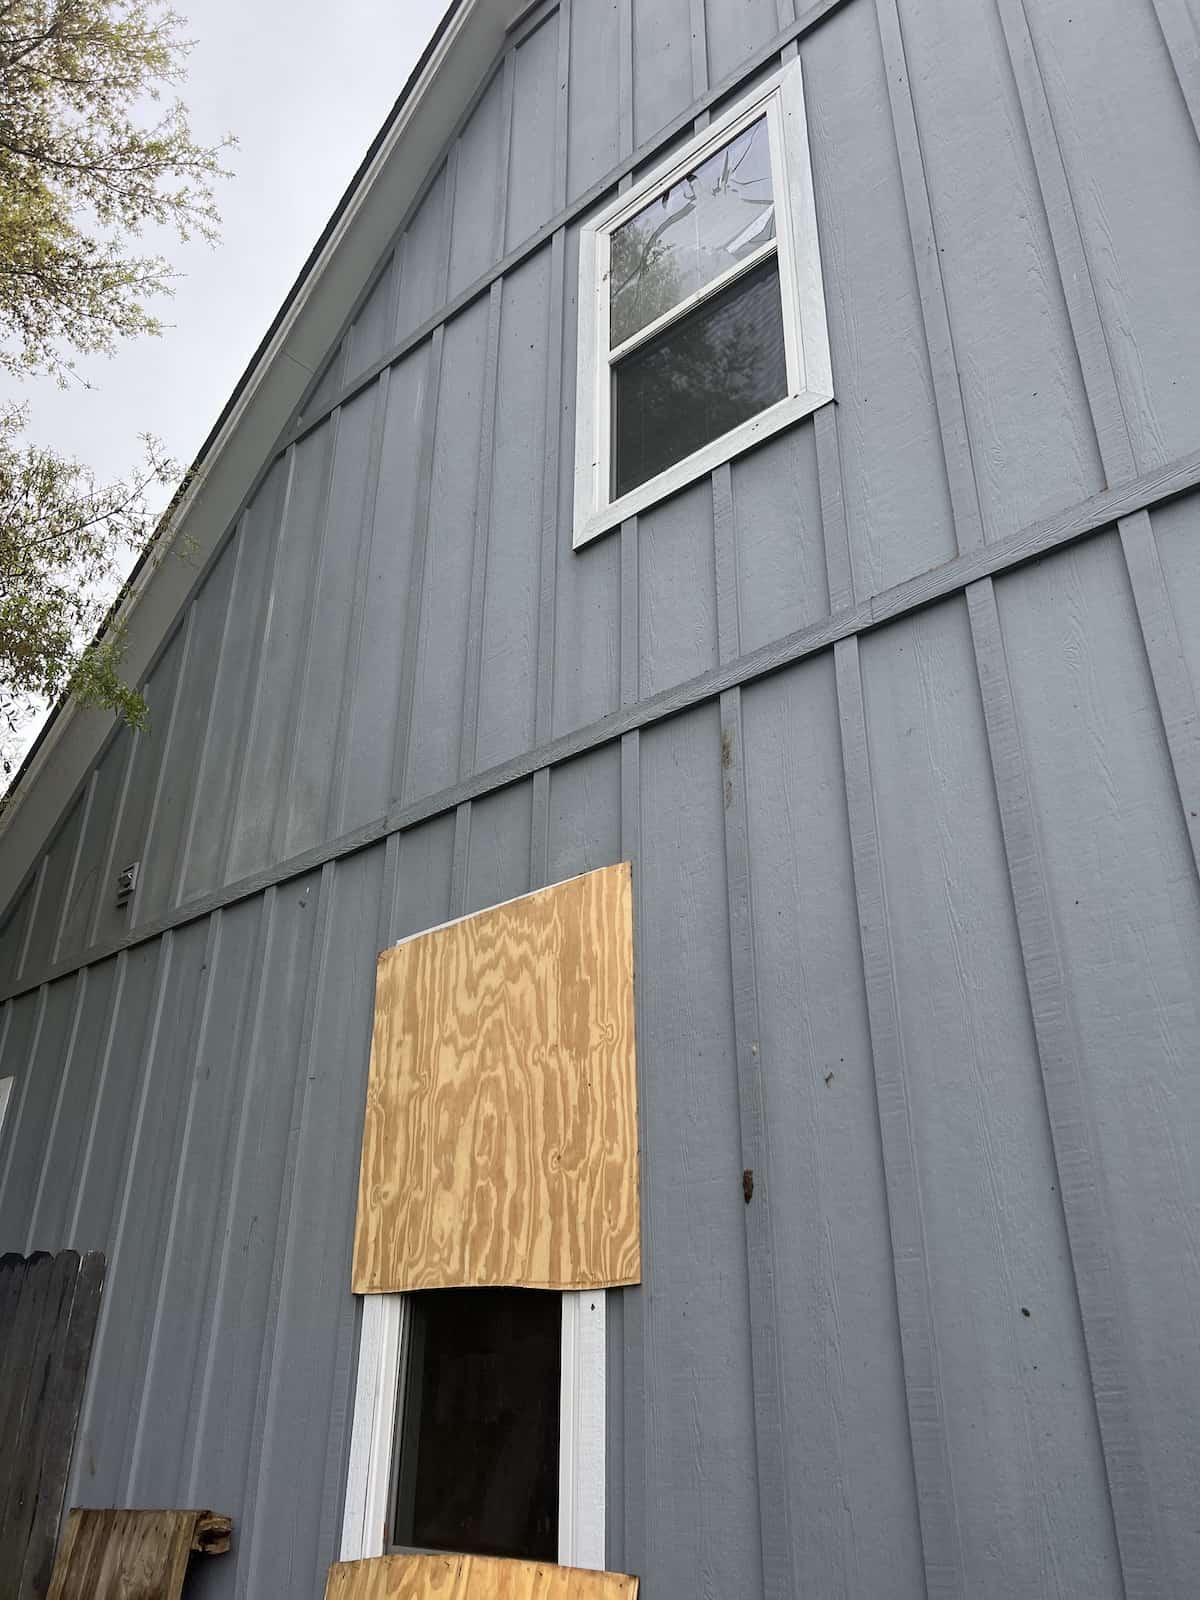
896 719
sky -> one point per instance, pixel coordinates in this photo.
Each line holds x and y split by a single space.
305 86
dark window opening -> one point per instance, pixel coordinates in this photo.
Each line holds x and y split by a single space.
478 1463
701 377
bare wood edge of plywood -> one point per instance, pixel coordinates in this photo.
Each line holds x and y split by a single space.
485 1575
366 1279
503 905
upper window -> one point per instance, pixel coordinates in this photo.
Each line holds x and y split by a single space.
702 323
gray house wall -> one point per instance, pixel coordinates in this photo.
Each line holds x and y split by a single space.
896 718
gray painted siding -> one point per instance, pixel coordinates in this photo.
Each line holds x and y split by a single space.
918 914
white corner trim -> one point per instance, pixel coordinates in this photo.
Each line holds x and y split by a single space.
366 1519
582 1428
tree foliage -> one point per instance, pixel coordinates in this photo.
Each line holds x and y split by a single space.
90 155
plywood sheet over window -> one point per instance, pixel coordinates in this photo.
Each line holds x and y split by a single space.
500 1143
412 1577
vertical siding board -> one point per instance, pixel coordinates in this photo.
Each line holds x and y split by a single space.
838 570
595 97
698 33
343 778
940 1538
166 733
734 31
196 1212
678 589
190 714
330 622
30 1191
897 503
855 1527
781 560
479 181
227 1383
374 673
305 1432
1115 958
29 1122
65 914
956 446
1021 1433
283 645
1128 145
701 1528
553 532
435 729
1181 35
422 284
51 1226
1022 389
511 591
24 1018
661 65
533 153
584 814
226 737
12 936
498 864
373 329
52 890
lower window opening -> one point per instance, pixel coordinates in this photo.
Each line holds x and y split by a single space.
477 1466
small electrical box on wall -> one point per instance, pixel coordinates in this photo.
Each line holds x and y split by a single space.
127 882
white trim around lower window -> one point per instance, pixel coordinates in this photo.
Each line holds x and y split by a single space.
582 1426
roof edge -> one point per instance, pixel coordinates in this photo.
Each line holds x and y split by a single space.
412 139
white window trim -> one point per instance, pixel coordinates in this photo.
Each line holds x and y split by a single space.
806 337
366 1522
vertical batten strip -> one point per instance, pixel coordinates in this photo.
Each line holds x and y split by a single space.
698 30
168 753
483 524
1059 1052
562 109
416 571
107 883
725 563
635 1324
838 570
785 13
1181 36
625 130
150 1342
940 1539
35 905
252 1580
64 913
952 421
543 718
339 779
460 860
774 1487
112 1031
215 706
47 1143
247 732
630 621
300 682
504 156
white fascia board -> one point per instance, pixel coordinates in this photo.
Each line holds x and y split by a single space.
464 54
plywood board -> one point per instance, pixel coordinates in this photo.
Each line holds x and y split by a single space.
413 1577
500 1144
133 1555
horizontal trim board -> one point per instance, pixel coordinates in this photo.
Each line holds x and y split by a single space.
1088 516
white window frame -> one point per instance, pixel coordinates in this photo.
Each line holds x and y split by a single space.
382 1352
806 336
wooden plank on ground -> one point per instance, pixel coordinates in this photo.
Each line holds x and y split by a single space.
500 1143
414 1577
133 1555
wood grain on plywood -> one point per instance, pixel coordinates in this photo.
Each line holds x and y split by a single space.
453 1577
500 1143
133 1555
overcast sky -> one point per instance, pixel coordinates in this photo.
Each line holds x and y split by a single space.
305 86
